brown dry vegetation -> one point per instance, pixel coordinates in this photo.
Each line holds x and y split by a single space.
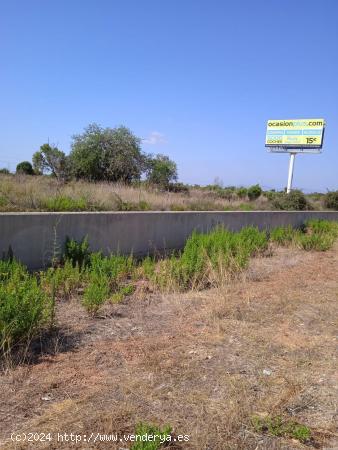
31 193
193 360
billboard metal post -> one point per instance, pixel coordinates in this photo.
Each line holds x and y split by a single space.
290 177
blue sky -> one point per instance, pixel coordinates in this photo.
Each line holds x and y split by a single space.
197 79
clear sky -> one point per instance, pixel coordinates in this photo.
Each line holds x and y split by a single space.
197 79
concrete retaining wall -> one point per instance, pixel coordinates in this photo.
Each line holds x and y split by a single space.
36 237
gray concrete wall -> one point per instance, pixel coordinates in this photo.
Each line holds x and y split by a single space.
36 237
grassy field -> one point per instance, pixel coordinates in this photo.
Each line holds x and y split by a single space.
43 193
231 344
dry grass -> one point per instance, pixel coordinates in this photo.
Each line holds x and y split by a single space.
194 361
27 193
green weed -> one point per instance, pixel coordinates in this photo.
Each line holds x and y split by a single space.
24 307
77 251
283 235
64 203
277 426
246 207
318 242
158 437
122 292
63 281
206 257
96 293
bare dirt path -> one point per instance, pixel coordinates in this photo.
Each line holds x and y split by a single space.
203 362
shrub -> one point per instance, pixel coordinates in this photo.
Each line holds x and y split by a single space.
3 201
226 193
143 205
4 171
331 200
316 235
77 252
278 426
206 258
64 203
25 167
320 226
178 188
116 267
96 293
24 307
270 195
254 192
62 281
282 235
245 207
175 207
295 200
147 268
122 292
242 192
318 242
161 437
104 276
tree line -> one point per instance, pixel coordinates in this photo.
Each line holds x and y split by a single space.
102 154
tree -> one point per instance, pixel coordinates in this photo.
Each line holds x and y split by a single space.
254 192
295 200
49 159
25 167
4 171
161 171
331 200
111 154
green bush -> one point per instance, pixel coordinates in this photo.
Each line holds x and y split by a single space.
245 207
144 206
331 200
159 437
270 195
25 167
318 242
77 252
178 188
96 293
242 192
175 207
107 278
62 281
4 171
282 235
316 235
254 192
206 257
295 200
320 226
64 203
24 307
278 426
116 267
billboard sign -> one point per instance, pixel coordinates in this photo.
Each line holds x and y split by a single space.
304 135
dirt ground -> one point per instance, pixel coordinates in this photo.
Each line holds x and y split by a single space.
203 362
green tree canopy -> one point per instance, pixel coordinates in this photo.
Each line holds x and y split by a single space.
161 171
49 159
25 167
112 154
